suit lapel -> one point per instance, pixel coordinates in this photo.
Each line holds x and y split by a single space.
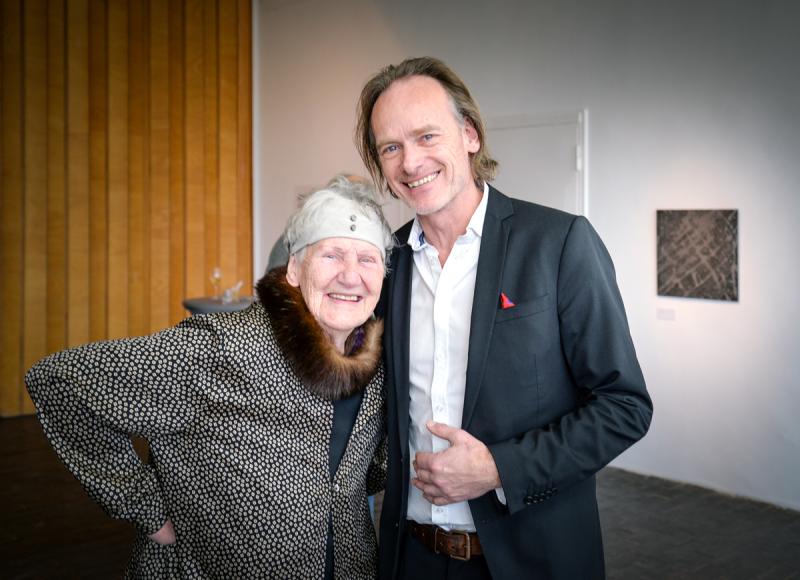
491 261
400 333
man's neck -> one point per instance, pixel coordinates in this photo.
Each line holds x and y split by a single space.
443 228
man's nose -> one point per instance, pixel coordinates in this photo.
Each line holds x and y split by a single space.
412 159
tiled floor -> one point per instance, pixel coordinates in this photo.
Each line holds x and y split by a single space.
654 529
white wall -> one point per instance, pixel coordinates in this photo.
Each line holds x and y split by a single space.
692 105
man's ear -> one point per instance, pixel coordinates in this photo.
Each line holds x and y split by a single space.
293 271
472 141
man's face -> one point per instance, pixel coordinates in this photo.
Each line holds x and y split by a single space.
423 149
340 280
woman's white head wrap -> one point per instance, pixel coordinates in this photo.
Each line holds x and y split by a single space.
345 208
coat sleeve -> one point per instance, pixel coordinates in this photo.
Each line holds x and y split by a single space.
93 398
614 409
376 474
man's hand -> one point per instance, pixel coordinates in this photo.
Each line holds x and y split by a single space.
463 471
164 536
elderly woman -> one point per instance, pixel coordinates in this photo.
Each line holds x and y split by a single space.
264 425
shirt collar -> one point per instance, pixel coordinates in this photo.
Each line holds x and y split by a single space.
416 237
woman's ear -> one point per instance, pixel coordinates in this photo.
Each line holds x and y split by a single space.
293 271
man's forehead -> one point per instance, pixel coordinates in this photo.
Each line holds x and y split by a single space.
417 88
419 100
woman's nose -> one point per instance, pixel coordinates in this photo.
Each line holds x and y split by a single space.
349 273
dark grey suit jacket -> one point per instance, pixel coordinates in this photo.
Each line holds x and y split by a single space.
553 388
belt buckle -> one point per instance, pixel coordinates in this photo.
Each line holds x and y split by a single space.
468 546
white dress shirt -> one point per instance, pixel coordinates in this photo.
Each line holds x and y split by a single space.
441 308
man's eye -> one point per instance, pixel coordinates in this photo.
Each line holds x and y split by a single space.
389 149
367 259
427 137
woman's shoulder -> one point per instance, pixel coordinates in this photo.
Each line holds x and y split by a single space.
233 331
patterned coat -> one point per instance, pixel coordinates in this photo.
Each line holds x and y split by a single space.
236 408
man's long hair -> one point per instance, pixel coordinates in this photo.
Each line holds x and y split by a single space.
464 106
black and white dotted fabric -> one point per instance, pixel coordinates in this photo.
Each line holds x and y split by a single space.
239 450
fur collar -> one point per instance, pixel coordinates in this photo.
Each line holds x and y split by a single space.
324 371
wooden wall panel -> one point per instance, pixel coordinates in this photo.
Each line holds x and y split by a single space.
12 210
77 172
117 143
228 120
177 166
125 168
56 179
196 273
35 183
138 242
244 175
159 161
98 170
211 141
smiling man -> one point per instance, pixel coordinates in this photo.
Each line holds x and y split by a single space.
512 374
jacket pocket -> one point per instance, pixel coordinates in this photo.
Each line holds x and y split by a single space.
523 309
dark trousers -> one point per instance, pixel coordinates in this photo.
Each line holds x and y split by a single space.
418 562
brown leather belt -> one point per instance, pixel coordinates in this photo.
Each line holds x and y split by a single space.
457 545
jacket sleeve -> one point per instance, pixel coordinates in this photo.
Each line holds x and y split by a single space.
614 409
93 398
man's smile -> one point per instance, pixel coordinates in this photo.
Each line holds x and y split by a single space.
423 181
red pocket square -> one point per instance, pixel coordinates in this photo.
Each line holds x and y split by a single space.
505 302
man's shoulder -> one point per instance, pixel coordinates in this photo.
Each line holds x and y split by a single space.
527 212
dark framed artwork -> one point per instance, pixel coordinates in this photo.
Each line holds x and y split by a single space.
698 253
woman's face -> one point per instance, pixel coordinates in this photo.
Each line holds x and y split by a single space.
340 280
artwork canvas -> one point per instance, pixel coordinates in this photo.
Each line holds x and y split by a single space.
698 253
